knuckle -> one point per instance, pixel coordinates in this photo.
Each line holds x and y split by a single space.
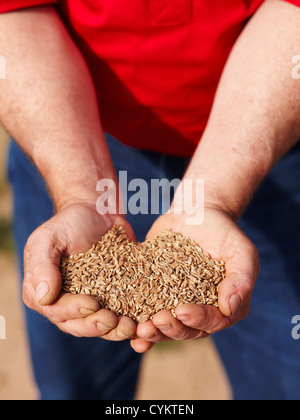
33 238
150 334
54 316
38 235
176 332
182 334
68 328
247 288
218 325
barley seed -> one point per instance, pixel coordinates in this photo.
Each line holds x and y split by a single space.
140 279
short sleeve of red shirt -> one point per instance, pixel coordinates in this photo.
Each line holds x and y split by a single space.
295 2
6 6
9 6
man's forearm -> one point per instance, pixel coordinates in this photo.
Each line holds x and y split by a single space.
256 115
48 103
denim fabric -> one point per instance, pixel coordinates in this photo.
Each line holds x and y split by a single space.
260 355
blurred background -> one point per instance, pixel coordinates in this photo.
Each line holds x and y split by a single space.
174 371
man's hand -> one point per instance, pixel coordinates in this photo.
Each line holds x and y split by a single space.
73 230
254 121
220 236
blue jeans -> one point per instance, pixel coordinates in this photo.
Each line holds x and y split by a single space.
259 353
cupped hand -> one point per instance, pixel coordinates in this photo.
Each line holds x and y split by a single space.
220 236
72 230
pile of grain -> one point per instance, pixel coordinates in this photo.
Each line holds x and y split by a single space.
139 280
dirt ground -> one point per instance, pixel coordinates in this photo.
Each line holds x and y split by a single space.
176 371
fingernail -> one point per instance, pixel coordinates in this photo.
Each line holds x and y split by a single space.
121 335
234 303
164 327
183 317
86 312
42 291
101 326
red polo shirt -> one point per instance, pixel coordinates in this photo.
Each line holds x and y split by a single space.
156 64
